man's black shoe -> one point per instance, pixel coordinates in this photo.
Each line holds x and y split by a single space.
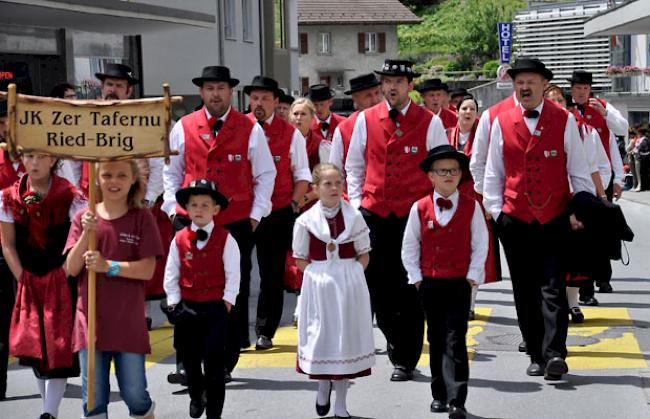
605 288
438 406
589 301
456 412
401 374
555 368
177 377
535 369
263 342
196 408
522 346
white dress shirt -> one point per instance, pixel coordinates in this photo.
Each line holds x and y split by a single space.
336 150
615 121
259 155
329 121
596 156
411 245
577 164
355 164
297 154
230 267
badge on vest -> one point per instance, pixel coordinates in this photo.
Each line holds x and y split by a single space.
399 132
234 157
537 133
599 130
550 153
188 256
410 150
205 136
430 224
276 159
588 116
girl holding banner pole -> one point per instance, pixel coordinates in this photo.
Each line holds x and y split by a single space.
128 244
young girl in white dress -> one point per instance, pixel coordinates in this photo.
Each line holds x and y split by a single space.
335 337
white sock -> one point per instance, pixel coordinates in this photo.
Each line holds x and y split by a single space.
54 390
324 389
572 296
340 406
472 301
41 387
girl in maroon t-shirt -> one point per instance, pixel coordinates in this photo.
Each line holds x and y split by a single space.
128 244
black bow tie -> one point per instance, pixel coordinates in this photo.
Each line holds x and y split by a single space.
534 113
324 126
215 124
581 108
392 114
201 235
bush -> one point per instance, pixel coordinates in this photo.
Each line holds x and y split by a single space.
490 68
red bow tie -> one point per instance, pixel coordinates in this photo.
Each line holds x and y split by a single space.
264 125
533 113
215 124
324 126
444 203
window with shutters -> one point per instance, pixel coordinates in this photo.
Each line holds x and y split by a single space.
304 44
371 42
304 85
324 43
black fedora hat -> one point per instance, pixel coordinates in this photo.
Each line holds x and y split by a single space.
263 83
530 65
445 151
319 92
362 82
215 73
285 98
117 71
398 68
459 92
582 77
432 84
201 187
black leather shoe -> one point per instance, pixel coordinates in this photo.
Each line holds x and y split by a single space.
401 374
555 368
177 377
535 369
522 346
589 301
343 417
472 315
457 412
605 288
576 315
324 409
438 406
263 343
46 416
196 408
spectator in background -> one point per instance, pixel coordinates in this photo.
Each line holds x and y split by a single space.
630 150
642 157
64 91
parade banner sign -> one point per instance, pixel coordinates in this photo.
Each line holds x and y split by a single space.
89 129
505 41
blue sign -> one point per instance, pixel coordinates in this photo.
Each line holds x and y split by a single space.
505 42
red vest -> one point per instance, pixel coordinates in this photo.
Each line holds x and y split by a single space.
279 136
454 139
345 128
505 105
595 119
445 252
224 160
202 275
536 178
393 176
8 175
449 118
334 122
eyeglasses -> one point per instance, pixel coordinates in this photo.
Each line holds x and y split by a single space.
446 172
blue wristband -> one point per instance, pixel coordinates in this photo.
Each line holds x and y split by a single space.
113 269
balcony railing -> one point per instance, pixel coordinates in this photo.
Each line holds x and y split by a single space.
631 83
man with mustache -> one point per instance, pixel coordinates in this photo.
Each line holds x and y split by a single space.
388 143
274 234
535 151
220 144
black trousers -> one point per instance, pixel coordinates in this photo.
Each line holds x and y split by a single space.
202 338
238 336
446 306
273 240
396 304
7 299
534 253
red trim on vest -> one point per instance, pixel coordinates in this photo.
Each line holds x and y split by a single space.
446 252
345 129
394 180
536 178
454 138
224 160
334 122
8 175
449 118
279 136
202 274
503 106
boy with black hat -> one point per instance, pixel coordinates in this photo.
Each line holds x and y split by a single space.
202 283
325 121
444 267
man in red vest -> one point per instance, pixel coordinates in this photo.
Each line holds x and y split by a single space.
274 234
222 145
388 143
434 92
284 104
609 123
365 93
535 150
325 122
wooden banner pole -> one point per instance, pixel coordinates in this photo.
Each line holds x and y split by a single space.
92 286
11 121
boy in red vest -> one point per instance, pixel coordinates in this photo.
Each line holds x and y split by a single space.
202 283
444 251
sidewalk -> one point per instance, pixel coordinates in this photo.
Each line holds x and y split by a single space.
638 197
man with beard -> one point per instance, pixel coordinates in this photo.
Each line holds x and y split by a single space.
388 143
365 93
535 150
220 144
274 234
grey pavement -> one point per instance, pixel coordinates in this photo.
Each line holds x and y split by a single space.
499 387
